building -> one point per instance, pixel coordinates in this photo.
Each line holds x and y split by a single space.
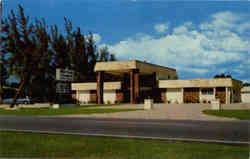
134 81
201 90
245 94
124 81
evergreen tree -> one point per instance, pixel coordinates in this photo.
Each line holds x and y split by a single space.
35 53
4 73
105 55
28 45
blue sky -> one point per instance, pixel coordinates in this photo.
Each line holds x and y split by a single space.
199 39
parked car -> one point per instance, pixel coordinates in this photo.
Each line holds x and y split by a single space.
26 100
7 100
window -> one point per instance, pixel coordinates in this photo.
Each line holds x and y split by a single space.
207 91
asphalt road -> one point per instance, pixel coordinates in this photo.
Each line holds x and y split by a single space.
226 131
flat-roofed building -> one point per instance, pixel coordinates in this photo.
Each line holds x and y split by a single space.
201 90
134 81
245 94
124 81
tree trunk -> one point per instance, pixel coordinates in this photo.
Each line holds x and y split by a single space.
20 89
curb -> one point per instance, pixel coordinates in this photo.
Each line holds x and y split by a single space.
135 137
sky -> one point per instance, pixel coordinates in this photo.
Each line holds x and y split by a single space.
198 38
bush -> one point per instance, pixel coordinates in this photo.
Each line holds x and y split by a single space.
108 102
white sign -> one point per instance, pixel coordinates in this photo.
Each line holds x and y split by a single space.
64 75
63 87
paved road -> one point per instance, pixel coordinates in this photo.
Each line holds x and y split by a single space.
179 129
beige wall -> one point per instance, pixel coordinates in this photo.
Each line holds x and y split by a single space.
245 97
174 95
93 86
109 96
83 96
206 97
245 94
196 83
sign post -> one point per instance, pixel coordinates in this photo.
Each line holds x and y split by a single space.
64 77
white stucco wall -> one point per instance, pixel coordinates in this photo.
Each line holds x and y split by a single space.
83 96
174 95
109 96
245 97
207 97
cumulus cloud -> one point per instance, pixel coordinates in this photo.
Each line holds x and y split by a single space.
207 47
161 28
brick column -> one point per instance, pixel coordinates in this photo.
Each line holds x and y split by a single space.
214 92
227 100
131 82
100 87
137 85
134 85
154 81
163 95
154 87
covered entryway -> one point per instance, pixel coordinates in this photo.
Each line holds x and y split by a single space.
139 78
221 94
191 95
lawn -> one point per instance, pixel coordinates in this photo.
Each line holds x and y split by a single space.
31 145
61 111
239 114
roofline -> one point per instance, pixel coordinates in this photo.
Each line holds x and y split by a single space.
140 62
155 65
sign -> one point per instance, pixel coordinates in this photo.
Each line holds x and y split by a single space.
64 75
63 88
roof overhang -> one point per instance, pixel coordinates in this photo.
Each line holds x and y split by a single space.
197 83
118 67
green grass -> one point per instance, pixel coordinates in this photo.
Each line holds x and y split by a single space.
239 114
61 111
31 145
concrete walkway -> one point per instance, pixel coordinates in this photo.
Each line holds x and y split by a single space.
163 111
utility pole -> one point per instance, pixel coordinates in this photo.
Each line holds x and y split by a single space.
1 60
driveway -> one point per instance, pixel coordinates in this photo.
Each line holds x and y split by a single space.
164 112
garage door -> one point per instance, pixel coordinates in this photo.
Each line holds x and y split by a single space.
191 95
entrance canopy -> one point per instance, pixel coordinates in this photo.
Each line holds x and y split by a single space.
119 67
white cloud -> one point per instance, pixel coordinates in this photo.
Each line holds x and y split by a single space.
202 49
161 28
